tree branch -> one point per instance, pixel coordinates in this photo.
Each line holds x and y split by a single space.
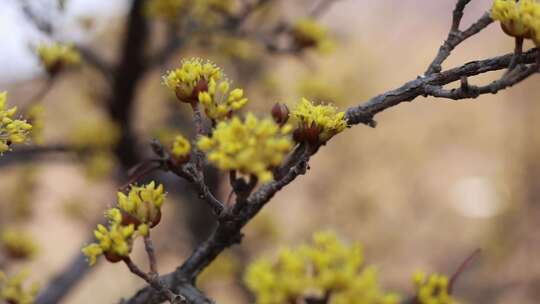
456 37
365 112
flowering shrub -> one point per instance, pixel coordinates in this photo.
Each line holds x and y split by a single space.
260 153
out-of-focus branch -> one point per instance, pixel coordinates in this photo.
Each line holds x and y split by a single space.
33 153
64 281
95 61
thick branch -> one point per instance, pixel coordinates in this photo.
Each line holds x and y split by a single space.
364 113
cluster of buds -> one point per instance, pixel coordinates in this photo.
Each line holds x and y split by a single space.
198 82
135 214
316 124
12 131
191 78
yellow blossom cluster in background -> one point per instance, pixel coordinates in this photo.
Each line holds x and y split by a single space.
56 56
325 267
317 122
135 214
191 78
308 32
18 244
219 102
236 48
206 12
168 10
210 12
432 289
314 87
518 18
95 138
95 134
252 146
14 291
12 131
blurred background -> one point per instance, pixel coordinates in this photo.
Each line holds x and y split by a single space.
432 183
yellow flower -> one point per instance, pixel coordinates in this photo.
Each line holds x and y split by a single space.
219 103
55 56
142 205
191 78
180 147
12 131
115 241
317 123
432 289
251 146
325 265
169 10
518 18
18 244
309 33
12 289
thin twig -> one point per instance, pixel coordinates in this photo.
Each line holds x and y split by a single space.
462 268
456 37
154 282
152 261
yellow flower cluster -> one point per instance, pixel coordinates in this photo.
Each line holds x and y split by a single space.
191 78
219 103
168 10
114 241
180 148
317 123
519 18
18 244
251 146
13 291
142 205
56 56
12 131
136 213
432 289
309 33
324 267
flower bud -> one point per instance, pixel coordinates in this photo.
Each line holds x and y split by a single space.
280 113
